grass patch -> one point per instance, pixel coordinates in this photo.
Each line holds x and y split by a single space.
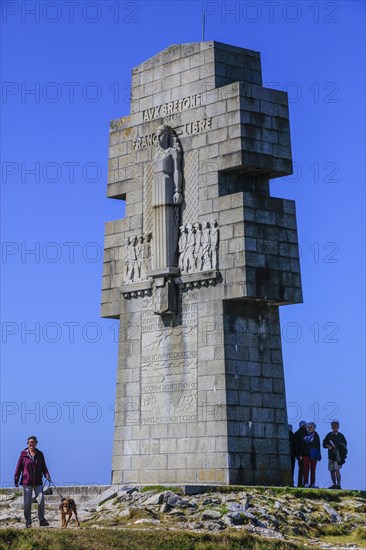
311 494
125 539
138 513
217 508
332 530
360 533
358 536
161 489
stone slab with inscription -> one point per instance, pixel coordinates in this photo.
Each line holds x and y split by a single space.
197 269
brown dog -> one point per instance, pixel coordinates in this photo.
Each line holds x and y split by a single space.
67 508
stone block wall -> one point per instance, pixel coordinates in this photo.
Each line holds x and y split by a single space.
257 421
200 393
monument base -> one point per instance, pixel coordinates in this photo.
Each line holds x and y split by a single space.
204 399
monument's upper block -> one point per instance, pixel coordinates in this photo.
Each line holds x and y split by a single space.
211 94
186 69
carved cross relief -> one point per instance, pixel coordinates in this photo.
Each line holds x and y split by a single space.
164 257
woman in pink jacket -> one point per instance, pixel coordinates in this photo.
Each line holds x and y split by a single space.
30 468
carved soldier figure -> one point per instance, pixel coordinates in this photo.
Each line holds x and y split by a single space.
128 264
146 255
131 260
138 251
214 244
189 254
182 243
198 246
167 196
206 247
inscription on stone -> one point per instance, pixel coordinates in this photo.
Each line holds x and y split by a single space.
169 367
188 129
172 107
152 322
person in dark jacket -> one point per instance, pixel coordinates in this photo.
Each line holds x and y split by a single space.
30 468
298 436
336 444
310 454
292 452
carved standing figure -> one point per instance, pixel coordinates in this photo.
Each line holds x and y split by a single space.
189 262
214 244
126 258
129 258
167 197
138 251
198 246
182 243
132 259
146 255
206 247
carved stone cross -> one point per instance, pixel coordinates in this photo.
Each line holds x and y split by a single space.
197 269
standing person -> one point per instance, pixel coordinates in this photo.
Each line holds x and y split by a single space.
310 454
298 436
292 452
336 444
30 468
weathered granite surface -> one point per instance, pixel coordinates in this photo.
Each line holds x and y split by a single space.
197 270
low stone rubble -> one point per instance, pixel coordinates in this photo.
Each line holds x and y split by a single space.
266 512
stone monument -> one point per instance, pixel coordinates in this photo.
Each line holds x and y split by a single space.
197 269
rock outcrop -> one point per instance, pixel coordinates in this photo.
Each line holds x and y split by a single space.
311 514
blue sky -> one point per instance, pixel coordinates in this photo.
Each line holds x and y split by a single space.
59 358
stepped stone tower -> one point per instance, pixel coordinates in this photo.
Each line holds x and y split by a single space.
197 269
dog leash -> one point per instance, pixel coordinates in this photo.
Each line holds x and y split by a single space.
59 494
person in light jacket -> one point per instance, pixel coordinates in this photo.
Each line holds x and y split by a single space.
29 471
336 444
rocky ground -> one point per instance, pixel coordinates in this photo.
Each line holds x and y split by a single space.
310 517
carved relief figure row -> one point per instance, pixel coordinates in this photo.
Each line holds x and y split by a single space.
137 258
198 247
